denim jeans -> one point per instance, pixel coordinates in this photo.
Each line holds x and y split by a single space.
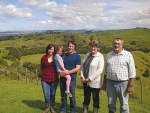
64 96
117 89
49 90
87 95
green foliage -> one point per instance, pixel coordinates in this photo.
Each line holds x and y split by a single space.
9 37
146 74
133 42
16 63
12 75
137 78
3 62
16 53
32 67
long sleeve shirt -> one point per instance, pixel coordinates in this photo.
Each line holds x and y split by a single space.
95 70
49 70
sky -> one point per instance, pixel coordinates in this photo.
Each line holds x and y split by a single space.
73 14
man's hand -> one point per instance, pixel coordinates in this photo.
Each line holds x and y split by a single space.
130 89
64 73
130 86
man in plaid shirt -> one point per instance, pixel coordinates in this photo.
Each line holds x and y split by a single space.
119 76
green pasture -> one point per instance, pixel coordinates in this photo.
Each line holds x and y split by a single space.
22 97
31 58
148 53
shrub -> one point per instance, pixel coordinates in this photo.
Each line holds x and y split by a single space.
146 74
3 62
133 43
137 78
13 75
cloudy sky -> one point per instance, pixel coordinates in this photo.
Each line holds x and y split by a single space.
73 14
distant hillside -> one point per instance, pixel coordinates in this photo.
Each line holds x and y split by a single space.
134 39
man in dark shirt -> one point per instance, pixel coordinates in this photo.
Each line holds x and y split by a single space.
72 63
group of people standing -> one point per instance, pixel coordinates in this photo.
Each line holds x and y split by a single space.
118 78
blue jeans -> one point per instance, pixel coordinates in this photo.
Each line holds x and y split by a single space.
117 89
64 96
49 90
87 95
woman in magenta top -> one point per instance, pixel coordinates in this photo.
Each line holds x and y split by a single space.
49 78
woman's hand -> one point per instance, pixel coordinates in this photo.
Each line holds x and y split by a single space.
83 79
87 80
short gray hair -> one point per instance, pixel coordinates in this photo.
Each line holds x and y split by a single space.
118 39
95 43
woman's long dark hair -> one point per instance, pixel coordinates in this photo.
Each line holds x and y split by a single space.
49 47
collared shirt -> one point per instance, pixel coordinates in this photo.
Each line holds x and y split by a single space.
120 67
49 70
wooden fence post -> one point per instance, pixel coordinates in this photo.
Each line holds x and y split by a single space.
37 76
132 93
17 74
6 73
26 76
141 92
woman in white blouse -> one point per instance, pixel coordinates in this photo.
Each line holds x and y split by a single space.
91 70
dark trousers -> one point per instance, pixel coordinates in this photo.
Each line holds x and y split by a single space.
64 96
87 95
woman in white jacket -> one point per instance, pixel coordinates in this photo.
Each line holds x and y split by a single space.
91 70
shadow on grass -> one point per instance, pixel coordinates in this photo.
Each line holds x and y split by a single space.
38 104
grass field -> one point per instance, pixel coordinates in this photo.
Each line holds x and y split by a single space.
141 61
22 97
31 58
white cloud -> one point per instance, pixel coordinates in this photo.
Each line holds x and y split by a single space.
77 13
126 14
81 14
40 4
42 22
11 11
91 26
45 22
91 14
